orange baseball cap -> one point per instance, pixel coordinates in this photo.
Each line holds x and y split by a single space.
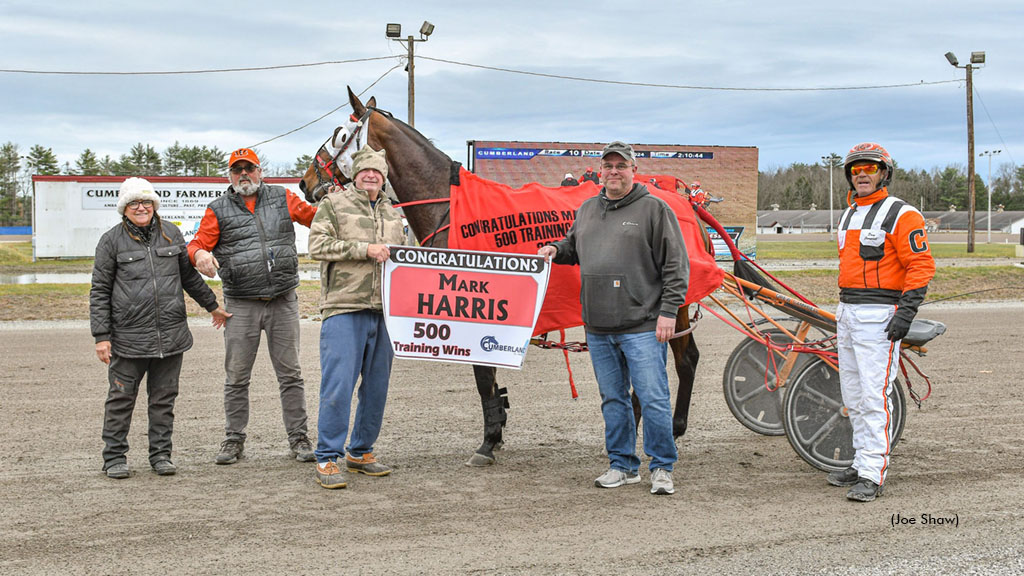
243 154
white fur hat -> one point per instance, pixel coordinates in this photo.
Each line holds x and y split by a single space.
134 189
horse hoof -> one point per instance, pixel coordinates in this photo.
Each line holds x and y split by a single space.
480 461
678 427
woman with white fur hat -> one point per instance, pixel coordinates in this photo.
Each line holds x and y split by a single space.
137 315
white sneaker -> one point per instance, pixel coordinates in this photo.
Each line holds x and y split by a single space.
661 482
614 478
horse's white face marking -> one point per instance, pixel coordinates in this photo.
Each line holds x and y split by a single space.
344 160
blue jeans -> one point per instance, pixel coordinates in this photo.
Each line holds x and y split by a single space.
622 359
352 345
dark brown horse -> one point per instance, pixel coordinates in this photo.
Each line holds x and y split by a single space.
418 171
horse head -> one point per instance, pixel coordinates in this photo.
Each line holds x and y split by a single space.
417 170
332 163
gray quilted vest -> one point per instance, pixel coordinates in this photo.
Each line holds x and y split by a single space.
256 250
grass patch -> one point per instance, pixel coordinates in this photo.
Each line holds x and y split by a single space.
974 283
71 301
827 250
16 258
15 253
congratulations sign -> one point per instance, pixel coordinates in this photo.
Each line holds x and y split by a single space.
461 306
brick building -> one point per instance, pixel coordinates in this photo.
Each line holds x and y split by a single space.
728 172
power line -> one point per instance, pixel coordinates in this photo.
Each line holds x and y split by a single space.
480 66
210 71
311 122
994 127
683 86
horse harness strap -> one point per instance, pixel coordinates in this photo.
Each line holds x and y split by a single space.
327 166
439 228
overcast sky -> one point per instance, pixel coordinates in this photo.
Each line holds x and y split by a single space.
721 44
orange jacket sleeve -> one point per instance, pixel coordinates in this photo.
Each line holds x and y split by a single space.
206 237
300 210
912 249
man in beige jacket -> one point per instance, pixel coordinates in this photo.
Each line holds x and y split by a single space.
350 235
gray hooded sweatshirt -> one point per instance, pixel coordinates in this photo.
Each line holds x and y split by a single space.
632 259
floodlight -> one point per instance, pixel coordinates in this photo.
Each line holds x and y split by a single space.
393 31
427 29
977 57
949 56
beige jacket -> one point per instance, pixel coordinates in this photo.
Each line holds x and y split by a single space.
343 228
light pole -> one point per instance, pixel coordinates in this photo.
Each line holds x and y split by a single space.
976 58
831 160
990 154
394 32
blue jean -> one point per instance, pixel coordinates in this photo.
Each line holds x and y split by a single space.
352 345
638 359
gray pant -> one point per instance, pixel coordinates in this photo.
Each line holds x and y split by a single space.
279 318
125 376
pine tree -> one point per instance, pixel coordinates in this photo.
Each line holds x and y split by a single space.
43 161
88 164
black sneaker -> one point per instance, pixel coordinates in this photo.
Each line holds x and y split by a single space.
230 451
118 471
864 491
164 468
847 477
303 450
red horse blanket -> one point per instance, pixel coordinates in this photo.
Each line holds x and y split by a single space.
494 217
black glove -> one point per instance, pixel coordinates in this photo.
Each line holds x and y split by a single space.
898 326
906 309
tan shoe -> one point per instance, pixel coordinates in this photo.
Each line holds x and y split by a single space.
329 475
366 464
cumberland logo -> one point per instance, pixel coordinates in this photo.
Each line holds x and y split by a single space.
490 344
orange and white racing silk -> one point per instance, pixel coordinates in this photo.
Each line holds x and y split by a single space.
883 250
885 266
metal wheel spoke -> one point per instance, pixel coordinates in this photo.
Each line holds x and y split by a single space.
825 428
823 398
754 392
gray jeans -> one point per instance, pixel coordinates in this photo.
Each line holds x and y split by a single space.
279 318
125 376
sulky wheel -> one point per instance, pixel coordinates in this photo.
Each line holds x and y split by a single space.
749 400
816 422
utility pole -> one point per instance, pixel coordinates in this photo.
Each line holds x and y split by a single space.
976 58
394 32
988 185
831 160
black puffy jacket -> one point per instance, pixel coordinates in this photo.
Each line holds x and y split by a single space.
136 299
256 250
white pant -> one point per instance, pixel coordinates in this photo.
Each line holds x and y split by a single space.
868 363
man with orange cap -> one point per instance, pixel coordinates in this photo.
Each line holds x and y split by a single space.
590 176
885 266
247 237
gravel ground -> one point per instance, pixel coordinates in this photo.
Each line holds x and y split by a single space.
744 503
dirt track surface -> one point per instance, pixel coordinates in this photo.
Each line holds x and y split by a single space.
744 503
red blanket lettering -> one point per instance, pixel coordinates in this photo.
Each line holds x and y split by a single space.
494 217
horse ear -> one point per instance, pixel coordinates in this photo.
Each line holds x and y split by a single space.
372 103
357 107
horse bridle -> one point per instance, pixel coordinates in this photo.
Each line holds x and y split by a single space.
326 162
329 165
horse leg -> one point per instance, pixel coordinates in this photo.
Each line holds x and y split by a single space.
494 401
686 355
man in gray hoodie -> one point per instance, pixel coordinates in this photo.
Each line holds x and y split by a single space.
634 272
